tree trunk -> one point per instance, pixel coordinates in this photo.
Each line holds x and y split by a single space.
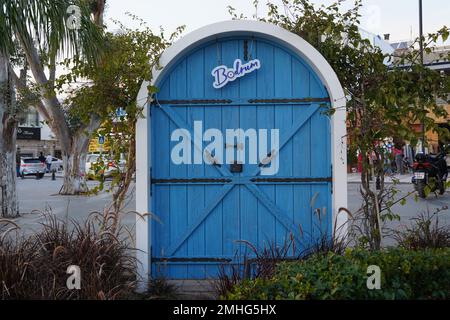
8 128
74 161
127 177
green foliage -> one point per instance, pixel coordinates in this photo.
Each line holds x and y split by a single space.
382 100
385 94
129 58
48 20
405 274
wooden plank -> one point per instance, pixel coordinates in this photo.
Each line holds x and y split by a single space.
230 120
321 153
196 194
178 193
213 224
192 227
302 154
176 119
248 120
265 119
280 216
161 196
284 198
286 136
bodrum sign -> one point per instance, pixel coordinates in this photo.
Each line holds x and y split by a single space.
222 74
235 150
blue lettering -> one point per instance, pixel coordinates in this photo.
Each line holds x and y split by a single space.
222 75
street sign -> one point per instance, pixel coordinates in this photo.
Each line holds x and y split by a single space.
101 140
120 112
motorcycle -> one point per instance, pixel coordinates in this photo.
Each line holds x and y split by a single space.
431 171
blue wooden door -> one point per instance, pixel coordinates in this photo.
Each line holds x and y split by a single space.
205 211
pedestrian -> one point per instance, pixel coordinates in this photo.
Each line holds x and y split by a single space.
48 161
387 159
398 156
42 158
18 161
408 152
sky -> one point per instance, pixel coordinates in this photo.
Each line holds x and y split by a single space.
399 18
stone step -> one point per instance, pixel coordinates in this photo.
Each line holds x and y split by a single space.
195 289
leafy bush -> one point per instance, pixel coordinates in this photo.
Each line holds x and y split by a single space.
263 261
35 267
425 232
405 274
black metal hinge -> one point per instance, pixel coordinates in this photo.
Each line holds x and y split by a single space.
151 187
291 179
193 180
205 101
281 101
331 175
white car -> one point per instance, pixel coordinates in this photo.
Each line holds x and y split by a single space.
31 167
92 159
57 164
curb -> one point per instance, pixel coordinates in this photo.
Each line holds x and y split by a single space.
390 182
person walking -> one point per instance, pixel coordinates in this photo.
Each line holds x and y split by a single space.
42 158
48 161
18 161
408 152
398 156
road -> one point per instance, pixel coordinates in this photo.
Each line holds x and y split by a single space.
37 196
412 208
41 196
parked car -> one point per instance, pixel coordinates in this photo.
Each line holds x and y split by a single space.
32 167
91 160
447 158
57 165
111 165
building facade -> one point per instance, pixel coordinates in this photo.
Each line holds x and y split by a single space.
433 61
34 136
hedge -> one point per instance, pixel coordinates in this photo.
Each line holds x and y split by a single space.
405 274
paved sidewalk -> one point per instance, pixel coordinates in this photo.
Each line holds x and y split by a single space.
402 179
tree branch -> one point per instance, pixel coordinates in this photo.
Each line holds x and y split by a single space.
21 86
49 99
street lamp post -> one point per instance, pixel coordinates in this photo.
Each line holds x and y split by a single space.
422 62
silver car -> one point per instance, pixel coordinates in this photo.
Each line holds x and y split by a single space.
32 167
57 165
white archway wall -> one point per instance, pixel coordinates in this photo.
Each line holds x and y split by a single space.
235 28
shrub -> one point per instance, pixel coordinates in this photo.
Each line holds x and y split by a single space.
425 232
405 274
35 267
263 262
